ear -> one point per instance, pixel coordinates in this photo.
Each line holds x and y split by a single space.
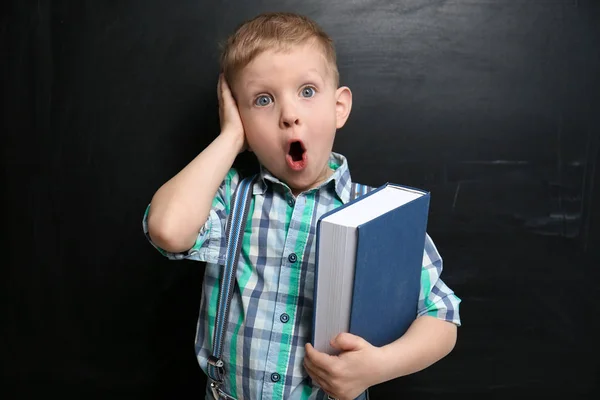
343 105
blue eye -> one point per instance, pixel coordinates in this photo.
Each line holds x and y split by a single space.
308 92
263 101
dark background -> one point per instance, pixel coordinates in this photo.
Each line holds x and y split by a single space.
491 105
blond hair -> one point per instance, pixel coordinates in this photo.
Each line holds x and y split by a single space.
277 31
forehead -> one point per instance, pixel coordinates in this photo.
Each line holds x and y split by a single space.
274 65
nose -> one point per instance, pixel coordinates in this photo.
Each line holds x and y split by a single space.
289 115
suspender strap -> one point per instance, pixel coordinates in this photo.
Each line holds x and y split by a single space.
358 190
235 232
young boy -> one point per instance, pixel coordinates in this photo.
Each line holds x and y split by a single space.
279 98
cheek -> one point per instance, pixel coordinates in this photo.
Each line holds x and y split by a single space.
324 120
246 116
251 120
256 129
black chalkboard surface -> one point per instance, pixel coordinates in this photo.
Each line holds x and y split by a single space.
491 105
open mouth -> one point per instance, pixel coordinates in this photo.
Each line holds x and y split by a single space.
296 157
296 151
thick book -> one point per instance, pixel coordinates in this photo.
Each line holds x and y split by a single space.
369 258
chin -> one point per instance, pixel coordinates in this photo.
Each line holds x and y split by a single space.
303 182
298 181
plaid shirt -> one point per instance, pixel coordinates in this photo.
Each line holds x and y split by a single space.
271 310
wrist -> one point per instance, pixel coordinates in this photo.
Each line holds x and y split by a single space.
392 361
234 139
375 366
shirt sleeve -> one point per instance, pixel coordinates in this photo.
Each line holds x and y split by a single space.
436 298
211 242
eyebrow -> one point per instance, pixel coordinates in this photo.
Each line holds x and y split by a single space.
309 75
316 72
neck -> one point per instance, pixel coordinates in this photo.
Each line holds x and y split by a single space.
326 174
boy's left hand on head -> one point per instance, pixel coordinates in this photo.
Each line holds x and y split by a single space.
346 375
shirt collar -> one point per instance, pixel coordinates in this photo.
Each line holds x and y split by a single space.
340 180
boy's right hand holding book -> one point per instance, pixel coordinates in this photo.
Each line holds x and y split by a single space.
181 206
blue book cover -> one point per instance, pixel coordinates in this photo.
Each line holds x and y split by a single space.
387 253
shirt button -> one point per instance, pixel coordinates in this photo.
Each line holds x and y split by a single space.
291 202
275 377
284 318
292 258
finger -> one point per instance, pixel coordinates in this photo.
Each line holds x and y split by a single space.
225 86
219 87
314 374
319 375
347 342
321 383
220 97
315 370
320 360
228 94
316 380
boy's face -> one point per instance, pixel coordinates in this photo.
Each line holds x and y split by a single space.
290 110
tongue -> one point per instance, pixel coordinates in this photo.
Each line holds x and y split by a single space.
296 157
